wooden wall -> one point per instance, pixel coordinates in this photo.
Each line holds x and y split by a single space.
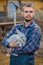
37 4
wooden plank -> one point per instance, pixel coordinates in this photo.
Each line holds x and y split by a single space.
9 23
6 23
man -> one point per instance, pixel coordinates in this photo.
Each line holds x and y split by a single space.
24 55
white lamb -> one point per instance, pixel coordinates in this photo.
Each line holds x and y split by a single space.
20 38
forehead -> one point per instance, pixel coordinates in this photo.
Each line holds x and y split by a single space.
28 9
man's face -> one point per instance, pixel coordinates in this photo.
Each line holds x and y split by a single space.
28 13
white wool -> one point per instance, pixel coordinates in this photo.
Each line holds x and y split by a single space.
20 38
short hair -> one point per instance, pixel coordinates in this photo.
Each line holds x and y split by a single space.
27 5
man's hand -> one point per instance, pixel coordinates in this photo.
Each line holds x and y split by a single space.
13 44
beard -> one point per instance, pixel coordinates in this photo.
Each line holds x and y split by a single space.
28 20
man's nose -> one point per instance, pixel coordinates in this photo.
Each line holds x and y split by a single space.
28 13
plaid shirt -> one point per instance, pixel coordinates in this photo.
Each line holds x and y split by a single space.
33 37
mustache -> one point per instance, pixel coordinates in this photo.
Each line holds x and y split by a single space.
28 20
28 16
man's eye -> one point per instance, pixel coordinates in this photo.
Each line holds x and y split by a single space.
31 11
26 11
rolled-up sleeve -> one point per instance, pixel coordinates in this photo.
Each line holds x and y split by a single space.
4 41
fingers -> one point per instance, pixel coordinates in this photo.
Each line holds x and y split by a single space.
14 44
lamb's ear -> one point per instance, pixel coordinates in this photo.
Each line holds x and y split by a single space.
17 31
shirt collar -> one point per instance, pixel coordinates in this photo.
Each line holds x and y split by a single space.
30 24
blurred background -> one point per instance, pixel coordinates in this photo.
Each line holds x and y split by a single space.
10 11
